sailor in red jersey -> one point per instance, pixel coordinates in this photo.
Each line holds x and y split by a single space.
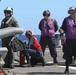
34 49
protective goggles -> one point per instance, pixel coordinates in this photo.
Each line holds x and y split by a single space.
27 34
6 11
46 15
73 11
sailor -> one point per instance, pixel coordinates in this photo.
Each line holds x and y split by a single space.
48 26
69 28
8 21
34 49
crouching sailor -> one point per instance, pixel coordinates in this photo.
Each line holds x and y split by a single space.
34 50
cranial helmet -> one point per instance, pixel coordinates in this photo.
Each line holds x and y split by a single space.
29 32
46 12
71 9
9 10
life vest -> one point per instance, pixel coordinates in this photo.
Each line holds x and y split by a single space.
35 45
48 28
71 28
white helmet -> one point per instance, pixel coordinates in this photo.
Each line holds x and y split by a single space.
71 9
9 10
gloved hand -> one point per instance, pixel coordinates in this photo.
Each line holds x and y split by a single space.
61 31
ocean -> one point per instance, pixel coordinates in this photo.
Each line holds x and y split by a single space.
23 38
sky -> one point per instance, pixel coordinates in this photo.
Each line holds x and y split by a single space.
29 12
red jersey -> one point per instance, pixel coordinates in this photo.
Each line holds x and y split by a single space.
34 43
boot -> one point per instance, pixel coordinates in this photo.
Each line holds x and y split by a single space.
11 66
33 61
43 62
5 66
66 72
28 61
67 69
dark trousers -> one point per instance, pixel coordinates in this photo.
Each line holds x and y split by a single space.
34 53
50 42
36 56
70 50
64 50
9 59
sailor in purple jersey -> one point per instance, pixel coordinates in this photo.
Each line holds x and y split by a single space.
48 26
69 28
